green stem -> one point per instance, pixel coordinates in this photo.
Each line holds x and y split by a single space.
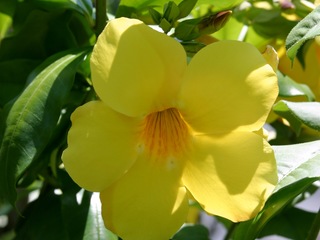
315 228
101 16
231 231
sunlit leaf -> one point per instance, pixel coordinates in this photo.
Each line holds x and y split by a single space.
32 118
307 28
296 162
290 88
298 113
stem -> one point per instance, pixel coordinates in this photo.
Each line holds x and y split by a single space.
230 231
101 16
314 230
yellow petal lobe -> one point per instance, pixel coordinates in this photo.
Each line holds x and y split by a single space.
231 175
147 203
135 69
102 145
233 91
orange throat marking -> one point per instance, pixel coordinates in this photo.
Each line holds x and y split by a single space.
165 134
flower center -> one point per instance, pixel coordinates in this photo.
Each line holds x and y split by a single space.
165 133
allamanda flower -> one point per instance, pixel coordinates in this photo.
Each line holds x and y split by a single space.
164 131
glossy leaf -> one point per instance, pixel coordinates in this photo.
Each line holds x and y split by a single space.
307 28
296 162
290 88
95 229
193 232
298 113
32 118
86 5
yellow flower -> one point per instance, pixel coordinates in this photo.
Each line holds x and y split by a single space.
164 129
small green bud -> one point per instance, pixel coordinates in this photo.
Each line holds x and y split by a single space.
214 23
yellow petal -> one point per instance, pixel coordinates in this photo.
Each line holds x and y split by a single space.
309 75
149 202
135 69
228 85
231 175
271 56
101 145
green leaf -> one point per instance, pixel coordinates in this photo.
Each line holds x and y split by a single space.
185 7
293 223
192 28
95 229
298 168
75 203
264 22
171 11
299 112
32 118
50 5
156 16
296 162
42 34
165 25
130 8
86 5
187 29
42 219
307 28
192 48
194 232
12 82
290 88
